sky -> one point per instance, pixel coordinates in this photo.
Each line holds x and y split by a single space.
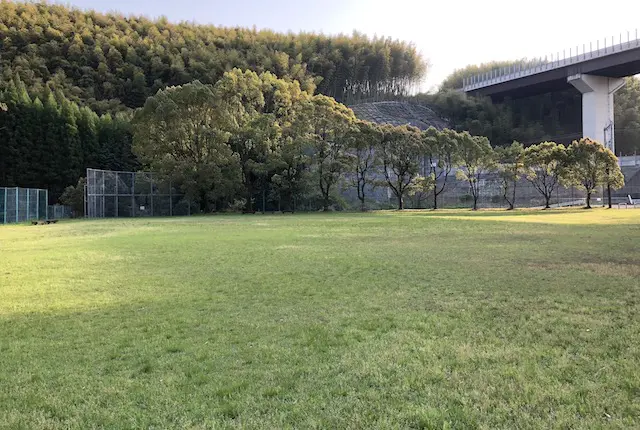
450 34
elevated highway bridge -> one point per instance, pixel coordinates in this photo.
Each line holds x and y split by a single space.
597 72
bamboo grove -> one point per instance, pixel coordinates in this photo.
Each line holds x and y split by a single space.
110 62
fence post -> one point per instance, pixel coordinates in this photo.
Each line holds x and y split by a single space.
103 191
17 202
133 194
117 198
28 208
5 206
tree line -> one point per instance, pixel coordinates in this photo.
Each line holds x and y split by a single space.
250 131
111 62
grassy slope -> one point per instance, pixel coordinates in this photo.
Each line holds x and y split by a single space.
487 320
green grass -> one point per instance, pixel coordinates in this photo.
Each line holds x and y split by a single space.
387 320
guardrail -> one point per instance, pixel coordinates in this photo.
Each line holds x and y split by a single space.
504 74
629 160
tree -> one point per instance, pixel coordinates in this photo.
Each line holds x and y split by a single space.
292 158
365 140
291 172
613 179
442 154
248 102
73 196
330 123
179 134
544 164
421 186
511 168
590 164
402 149
476 157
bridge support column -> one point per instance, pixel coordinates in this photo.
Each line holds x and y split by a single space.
597 106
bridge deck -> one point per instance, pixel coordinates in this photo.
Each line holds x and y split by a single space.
616 60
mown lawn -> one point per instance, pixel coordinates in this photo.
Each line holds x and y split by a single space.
386 320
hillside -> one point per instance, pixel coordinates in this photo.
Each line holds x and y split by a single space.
399 113
112 62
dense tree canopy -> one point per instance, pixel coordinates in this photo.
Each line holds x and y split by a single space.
47 141
181 134
110 62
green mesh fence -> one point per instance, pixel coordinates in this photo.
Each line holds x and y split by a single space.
22 204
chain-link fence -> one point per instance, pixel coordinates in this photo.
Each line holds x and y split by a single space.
457 194
22 204
491 194
112 194
59 212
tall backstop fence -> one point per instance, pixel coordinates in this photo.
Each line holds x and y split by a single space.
112 194
22 204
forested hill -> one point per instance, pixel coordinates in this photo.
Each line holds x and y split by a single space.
112 62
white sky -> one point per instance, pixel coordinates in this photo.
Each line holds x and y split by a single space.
449 33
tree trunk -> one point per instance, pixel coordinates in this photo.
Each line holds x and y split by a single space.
435 197
361 197
325 197
609 194
547 199
325 204
475 202
204 204
512 203
248 206
589 200
400 202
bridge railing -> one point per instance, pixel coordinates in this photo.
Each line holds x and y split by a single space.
516 71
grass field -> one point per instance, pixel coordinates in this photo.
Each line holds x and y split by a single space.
384 320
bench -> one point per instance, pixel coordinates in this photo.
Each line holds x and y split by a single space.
44 222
